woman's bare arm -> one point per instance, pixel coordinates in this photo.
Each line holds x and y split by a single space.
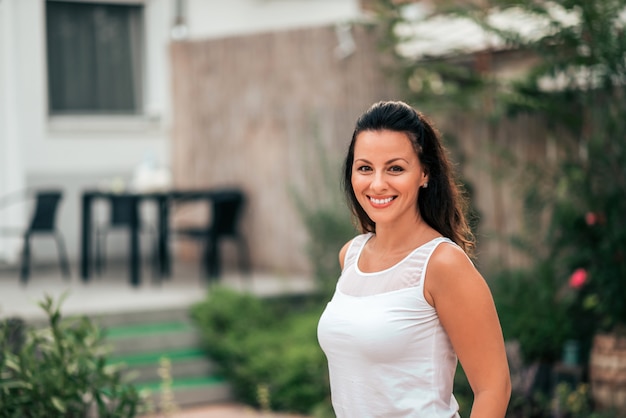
467 312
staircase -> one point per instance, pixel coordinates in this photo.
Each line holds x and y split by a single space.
140 340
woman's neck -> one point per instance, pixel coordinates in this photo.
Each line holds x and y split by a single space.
392 238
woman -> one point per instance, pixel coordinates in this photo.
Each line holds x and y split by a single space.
409 300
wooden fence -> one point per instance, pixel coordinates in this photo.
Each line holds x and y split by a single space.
251 111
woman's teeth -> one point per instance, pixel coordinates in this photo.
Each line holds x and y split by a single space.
381 201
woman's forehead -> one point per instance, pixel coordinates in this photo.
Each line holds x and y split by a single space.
383 142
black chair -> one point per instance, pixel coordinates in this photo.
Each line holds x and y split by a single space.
43 222
122 210
226 209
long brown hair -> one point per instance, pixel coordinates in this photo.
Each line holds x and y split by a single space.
442 204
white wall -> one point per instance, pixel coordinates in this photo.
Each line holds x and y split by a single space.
217 18
11 168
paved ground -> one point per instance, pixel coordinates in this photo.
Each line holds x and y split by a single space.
113 293
228 411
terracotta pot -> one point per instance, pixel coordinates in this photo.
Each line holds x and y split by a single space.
607 371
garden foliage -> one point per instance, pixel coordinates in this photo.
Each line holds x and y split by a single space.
266 348
580 88
61 370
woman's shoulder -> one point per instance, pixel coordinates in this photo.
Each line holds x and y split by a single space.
449 266
447 255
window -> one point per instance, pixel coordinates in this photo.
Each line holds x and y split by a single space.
95 58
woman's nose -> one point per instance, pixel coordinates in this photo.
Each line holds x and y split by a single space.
379 182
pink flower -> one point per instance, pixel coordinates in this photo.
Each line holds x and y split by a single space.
578 278
591 218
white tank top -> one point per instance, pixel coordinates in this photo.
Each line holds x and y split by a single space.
388 354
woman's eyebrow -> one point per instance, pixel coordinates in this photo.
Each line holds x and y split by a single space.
393 160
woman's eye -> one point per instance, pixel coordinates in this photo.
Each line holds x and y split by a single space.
396 169
364 168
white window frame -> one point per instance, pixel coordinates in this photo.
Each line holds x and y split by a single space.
149 118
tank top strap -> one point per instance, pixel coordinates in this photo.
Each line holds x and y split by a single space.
423 254
354 249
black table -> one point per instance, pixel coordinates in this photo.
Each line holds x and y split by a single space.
162 201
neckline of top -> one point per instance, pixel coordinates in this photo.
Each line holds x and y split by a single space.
373 273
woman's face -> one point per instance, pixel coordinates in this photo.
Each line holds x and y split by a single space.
387 176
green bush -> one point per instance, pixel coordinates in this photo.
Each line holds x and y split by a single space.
530 311
61 371
265 345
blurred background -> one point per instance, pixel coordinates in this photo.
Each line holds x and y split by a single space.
170 103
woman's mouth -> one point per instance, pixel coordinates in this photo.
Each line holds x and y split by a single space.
380 202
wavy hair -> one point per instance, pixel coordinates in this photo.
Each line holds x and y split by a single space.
442 204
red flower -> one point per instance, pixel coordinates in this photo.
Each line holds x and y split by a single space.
591 218
578 278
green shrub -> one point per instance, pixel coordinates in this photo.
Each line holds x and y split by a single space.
530 311
265 345
61 371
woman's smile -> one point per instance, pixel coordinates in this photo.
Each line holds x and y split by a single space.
381 202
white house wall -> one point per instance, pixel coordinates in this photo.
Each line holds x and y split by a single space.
11 167
217 18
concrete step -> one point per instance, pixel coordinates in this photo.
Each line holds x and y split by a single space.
140 340
189 392
186 362
123 318
153 336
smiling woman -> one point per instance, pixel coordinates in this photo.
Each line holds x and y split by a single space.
409 300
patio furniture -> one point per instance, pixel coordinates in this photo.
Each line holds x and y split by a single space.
122 211
226 209
88 201
42 222
163 200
